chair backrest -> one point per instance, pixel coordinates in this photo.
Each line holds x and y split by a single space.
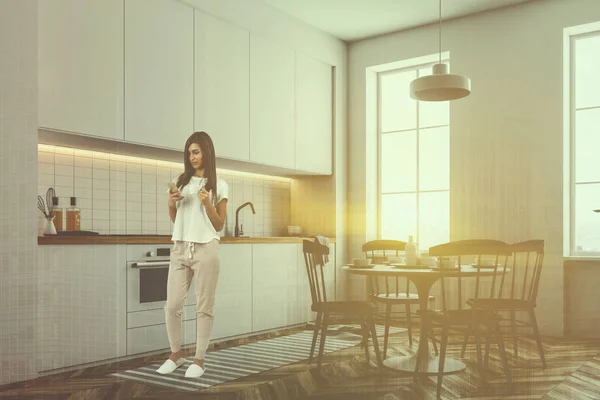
378 251
313 259
481 249
528 259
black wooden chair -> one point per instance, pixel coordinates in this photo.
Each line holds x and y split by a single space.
517 293
396 295
361 310
458 314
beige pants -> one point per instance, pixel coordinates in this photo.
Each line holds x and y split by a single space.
201 262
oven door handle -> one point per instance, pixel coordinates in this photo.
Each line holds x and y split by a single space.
150 264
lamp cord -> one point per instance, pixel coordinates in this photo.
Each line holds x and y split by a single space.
440 31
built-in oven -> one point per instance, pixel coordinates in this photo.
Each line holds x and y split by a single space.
147 276
147 279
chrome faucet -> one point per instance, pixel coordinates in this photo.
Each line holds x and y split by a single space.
239 231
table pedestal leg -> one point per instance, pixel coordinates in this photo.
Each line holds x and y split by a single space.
424 363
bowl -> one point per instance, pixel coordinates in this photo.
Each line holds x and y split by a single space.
428 261
361 262
294 230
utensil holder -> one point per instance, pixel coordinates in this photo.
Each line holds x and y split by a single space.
49 228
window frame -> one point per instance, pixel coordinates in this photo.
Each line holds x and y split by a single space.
417 65
570 35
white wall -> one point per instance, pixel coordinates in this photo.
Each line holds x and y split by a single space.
506 137
18 185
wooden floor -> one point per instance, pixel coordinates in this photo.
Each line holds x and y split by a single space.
573 372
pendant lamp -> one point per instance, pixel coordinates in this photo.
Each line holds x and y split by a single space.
441 86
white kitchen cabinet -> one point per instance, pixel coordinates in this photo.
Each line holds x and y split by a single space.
81 315
272 87
275 285
159 72
304 297
80 66
233 302
313 118
222 85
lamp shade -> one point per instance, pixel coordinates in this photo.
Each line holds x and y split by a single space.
441 86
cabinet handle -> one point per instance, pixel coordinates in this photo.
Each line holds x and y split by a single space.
150 265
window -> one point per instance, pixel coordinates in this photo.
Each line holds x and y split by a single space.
414 161
582 116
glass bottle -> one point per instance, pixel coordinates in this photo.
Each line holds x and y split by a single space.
58 215
410 252
73 216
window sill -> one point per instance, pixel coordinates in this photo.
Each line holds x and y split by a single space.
595 259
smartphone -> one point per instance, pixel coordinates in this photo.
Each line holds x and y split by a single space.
173 187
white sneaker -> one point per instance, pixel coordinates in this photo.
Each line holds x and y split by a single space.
170 366
194 371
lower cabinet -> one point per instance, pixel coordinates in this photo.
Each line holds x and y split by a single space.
261 287
233 302
275 285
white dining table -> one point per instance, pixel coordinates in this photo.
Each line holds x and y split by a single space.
423 278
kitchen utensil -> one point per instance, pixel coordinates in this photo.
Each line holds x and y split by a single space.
50 193
77 233
42 206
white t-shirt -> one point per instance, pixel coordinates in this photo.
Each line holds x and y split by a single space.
191 222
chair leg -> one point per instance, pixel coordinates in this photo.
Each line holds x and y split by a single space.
365 332
323 335
498 334
388 317
431 336
442 359
478 349
409 324
488 343
538 338
513 323
371 324
465 341
315 335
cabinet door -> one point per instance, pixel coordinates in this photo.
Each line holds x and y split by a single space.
304 297
233 301
271 103
80 66
159 72
314 110
275 285
222 85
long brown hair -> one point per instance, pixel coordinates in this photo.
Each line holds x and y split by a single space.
208 161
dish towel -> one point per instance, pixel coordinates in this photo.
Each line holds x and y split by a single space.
324 241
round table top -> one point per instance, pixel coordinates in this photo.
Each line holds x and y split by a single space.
423 271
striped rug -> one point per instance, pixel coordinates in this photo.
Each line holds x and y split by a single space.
237 362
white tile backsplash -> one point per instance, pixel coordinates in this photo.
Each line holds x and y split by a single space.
118 194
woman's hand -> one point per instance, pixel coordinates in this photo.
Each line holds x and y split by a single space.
174 197
204 197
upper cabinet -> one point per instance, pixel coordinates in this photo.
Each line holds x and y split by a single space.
80 73
153 72
159 72
271 103
222 85
314 111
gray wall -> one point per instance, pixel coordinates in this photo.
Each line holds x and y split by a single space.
18 185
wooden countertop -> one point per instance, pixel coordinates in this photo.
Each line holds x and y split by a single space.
153 239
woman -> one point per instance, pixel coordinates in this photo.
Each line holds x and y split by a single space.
197 207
